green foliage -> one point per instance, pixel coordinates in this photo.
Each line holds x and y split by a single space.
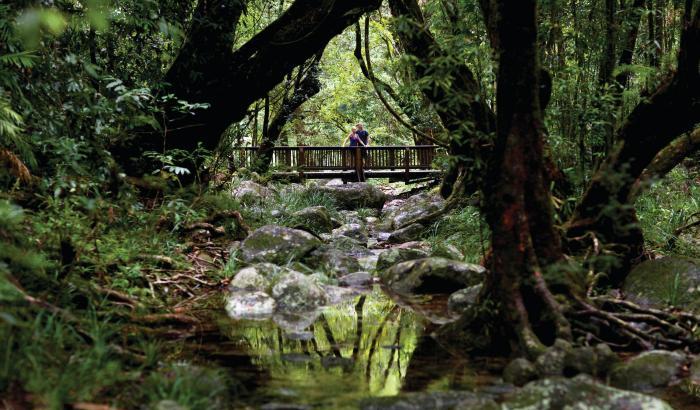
463 229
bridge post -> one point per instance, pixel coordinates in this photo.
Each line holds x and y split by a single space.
359 166
406 163
301 161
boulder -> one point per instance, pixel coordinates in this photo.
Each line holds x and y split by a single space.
672 280
519 372
553 361
432 275
448 400
447 250
398 212
353 231
356 279
461 300
277 244
249 305
410 233
333 261
355 195
250 278
314 219
655 368
580 392
296 292
392 256
250 193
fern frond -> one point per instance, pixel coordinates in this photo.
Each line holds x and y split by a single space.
24 59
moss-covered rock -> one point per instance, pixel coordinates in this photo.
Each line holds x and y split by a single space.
461 300
656 368
672 280
314 219
450 400
355 195
355 231
432 275
277 244
250 193
409 233
398 212
519 372
296 292
580 392
250 278
249 305
334 262
392 256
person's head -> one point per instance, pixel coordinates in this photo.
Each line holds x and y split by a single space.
359 126
354 129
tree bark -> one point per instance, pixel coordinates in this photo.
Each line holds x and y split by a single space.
524 242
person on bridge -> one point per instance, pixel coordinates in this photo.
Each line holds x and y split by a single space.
363 134
353 138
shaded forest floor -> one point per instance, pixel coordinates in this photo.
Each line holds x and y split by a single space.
98 293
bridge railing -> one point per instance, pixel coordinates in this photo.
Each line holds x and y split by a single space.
309 159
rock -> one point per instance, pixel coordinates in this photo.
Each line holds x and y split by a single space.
581 360
353 231
355 195
250 278
447 400
553 360
606 358
277 244
356 279
333 261
249 305
398 212
296 292
448 251
432 275
672 280
314 219
249 193
349 246
337 295
392 256
461 300
519 372
580 392
655 368
410 233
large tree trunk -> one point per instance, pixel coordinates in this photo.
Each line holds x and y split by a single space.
673 109
524 241
306 87
209 71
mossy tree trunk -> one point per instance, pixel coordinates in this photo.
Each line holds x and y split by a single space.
524 241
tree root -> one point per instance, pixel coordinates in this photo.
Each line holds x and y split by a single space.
624 324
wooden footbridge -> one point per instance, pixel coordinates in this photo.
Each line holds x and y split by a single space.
409 163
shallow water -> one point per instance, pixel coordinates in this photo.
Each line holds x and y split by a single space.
368 346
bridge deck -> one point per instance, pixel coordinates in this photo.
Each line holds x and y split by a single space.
398 163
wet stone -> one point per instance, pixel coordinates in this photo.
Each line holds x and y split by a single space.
519 372
297 292
434 400
249 192
580 392
392 256
354 231
656 368
356 279
314 219
277 244
249 305
461 300
432 275
250 278
410 233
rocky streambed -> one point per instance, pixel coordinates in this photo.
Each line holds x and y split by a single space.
338 312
